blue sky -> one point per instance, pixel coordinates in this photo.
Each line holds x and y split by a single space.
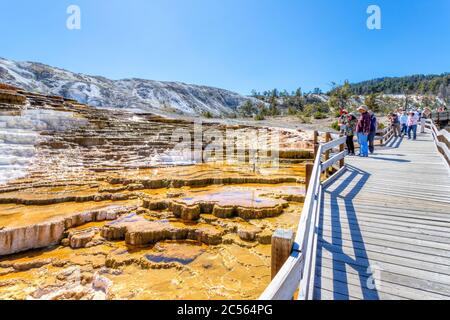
234 44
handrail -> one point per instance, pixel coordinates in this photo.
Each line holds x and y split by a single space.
388 135
444 135
440 116
298 271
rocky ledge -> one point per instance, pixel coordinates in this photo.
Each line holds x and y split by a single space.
14 240
138 231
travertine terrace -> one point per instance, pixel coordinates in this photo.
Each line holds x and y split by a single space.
104 204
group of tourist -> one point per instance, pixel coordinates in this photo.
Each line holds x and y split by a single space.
364 126
405 123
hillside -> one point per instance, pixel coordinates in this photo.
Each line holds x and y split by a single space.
130 94
438 85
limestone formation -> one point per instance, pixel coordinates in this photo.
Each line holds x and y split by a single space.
14 240
138 231
244 204
74 287
264 237
248 233
81 239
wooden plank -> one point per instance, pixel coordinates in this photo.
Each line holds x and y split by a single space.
435 213
388 266
355 291
388 220
406 231
381 241
307 282
282 241
327 164
393 236
342 149
316 143
367 255
308 173
363 200
333 144
382 286
425 286
393 248
323 294
286 283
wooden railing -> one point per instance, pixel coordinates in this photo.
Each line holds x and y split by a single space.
297 272
388 134
440 116
441 138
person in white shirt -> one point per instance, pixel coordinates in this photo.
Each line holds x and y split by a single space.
404 123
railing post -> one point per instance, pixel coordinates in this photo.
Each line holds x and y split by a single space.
308 172
282 242
341 149
327 153
316 142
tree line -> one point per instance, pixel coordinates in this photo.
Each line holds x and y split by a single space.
438 85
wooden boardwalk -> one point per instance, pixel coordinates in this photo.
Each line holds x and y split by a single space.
384 226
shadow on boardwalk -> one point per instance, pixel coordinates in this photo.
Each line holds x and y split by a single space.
343 210
394 143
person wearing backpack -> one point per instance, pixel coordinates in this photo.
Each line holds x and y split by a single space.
395 124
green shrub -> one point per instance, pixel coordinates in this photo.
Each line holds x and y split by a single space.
304 119
312 109
259 117
320 115
207 114
247 109
335 126
292 111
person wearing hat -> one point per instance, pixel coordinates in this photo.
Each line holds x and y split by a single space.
342 122
350 133
413 120
395 124
363 130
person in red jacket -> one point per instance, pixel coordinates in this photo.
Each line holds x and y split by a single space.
363 130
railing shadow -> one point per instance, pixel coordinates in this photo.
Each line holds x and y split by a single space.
395 143
343 211
390 159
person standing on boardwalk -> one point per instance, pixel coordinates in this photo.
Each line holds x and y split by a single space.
404 124
363 130
350 133
412 125
395 124
373 131
342 122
